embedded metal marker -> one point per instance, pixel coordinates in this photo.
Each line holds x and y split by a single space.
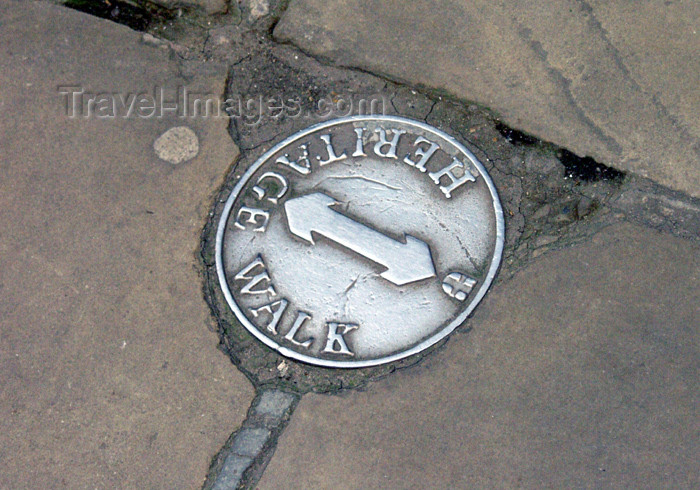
405 262
326 303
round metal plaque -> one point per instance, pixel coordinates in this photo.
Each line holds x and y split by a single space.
359 241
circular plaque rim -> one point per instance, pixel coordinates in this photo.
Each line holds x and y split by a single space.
430 341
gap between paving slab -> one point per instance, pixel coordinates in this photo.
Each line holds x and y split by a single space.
243 459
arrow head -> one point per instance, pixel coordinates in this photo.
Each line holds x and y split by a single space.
413 263
302 213
405 262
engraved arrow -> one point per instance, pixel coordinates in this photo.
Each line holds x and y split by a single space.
404 262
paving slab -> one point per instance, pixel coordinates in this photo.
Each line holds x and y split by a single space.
580 371
109 374
617 81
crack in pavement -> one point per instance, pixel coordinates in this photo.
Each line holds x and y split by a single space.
242 460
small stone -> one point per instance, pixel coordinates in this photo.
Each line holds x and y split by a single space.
258 8
584 207
274 403
563 218
545 240
282 369
179 49
542 212
231 472
249 442
541 164
539 252
151 40
225 36
177 145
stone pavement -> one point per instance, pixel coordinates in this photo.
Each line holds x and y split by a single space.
579 372
109 374
579 369
617 81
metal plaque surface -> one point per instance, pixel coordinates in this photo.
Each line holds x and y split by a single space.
359 241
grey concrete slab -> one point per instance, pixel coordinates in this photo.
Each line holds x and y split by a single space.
232 471
581 371
249 442
109 374
247 453
617 81
274 404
